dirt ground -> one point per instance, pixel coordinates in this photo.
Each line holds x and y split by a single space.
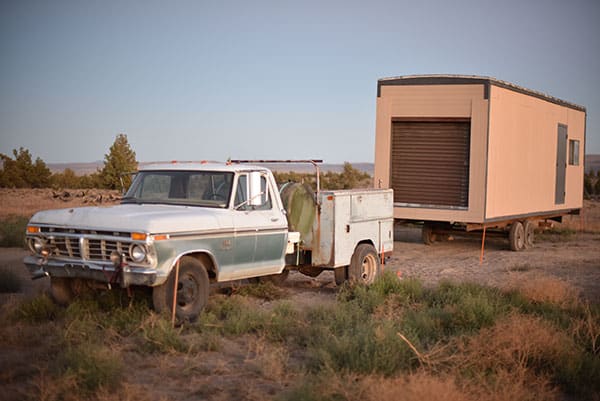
571 254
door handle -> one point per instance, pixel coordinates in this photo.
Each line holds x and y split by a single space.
274 219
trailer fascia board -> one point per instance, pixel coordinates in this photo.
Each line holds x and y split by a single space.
470 80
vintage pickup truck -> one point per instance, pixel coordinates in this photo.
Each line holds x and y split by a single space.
184 226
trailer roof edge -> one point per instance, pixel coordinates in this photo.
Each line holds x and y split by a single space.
450 79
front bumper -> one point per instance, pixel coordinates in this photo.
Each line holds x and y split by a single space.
101 272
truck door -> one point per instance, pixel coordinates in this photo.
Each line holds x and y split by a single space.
260 230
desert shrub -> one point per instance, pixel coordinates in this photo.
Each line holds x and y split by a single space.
37 310
352 387
92 367
557 234
403 292
159 335
263 290
12 231
232 315
534 351
9 282
350 177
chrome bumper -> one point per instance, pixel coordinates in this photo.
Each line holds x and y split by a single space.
102 272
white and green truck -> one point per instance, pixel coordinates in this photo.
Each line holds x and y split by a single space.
184 226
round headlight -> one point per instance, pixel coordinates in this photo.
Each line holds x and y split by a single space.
137 253
36 245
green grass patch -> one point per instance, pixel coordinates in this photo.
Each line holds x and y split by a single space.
37 310
12 231
92 367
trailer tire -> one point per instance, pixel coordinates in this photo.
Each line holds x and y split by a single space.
529 228
192 290
61 290
340 274
364 264
516 236
427 234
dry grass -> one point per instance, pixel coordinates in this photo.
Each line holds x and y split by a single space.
25 202
541 288
516 358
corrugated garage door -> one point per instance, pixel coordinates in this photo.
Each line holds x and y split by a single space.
430 162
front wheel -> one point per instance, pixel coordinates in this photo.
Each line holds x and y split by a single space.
364 265
192 290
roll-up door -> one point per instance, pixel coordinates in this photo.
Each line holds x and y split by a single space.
430 163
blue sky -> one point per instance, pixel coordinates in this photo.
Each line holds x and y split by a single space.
193 80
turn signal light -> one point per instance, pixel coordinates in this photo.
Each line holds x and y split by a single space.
33 229
139 236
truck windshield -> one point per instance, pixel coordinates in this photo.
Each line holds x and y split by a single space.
190 188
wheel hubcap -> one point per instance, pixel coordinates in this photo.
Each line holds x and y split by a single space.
369 265
187 291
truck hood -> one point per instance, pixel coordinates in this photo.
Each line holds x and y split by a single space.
137 218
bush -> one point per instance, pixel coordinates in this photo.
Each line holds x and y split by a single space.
38 310
93 367
12 231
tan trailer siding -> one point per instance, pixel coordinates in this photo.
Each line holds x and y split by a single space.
423 102
522 155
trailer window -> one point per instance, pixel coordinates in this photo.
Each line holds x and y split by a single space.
574 152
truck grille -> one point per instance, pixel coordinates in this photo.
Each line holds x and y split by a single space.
65 246
81 247
101 249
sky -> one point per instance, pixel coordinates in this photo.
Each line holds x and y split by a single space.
212 80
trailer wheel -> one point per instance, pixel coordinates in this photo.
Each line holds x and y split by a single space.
364 265
427 234
529 228
192 290
516 236
61 290
341 274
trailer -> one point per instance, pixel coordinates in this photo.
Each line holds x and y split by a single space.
477 153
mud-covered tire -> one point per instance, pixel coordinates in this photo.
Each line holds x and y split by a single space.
277 279
529 228
61 290
340 274
516 236
364 265
193 287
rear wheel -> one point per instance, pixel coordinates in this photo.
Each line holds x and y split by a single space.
192 290
61 290
364 265
529 228
516 236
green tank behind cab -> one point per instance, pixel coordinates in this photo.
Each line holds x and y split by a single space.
301 208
